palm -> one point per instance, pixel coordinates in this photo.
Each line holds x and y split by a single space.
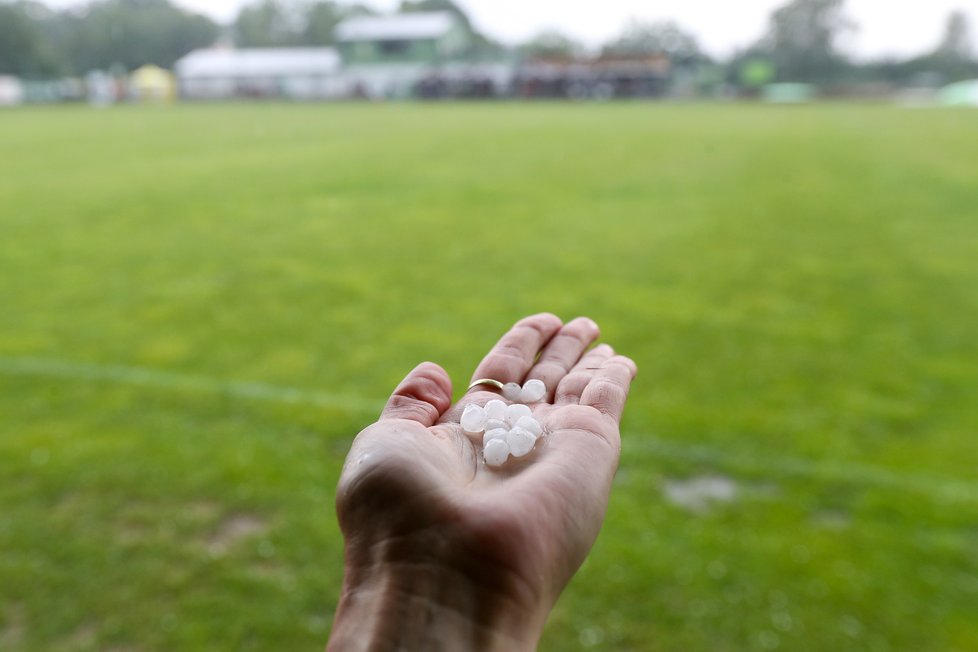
421 483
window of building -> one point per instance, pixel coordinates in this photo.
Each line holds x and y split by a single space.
393 47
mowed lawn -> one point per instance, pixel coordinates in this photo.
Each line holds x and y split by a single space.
200 306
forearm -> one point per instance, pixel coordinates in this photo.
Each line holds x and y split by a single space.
417 607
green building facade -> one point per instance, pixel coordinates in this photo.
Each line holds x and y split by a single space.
420 39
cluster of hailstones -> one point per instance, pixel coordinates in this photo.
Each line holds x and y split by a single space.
508 429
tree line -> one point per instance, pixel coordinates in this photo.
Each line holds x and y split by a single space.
802 42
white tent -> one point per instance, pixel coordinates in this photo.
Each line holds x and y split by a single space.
296 73
11 91
963 93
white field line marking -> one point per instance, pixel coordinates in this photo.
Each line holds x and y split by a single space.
143 377
635 443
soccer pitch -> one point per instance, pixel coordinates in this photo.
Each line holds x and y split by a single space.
200 306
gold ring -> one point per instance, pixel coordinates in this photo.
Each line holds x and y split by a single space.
485 381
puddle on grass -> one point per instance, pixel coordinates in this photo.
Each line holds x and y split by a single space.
233 529
13 626
83 637
699 493
832 519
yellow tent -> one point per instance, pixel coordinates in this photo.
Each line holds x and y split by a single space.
152 84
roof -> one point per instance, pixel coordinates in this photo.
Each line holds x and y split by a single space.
412 26
258 62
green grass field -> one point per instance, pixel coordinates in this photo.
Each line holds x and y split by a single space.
201 306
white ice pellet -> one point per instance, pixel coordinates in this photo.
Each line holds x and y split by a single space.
531 424
520 441
495 433
474 419
512 391
495 451
515 411
495 423
496 409
533 390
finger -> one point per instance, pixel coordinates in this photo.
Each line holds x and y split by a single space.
572 385
608 388
422 396
515 352
563 352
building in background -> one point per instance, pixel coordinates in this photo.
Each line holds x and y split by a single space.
415 54
290 73
600 78
53 91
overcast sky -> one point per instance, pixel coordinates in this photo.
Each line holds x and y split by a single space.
898 27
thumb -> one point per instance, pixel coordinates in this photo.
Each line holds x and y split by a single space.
423 395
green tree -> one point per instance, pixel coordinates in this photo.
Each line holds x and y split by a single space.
24 51
802 40
278 23
552 44
132 33
268 23
321 19
663 37
952 59
956 45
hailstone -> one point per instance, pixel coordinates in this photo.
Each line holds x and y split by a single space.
496 451
474 419
520 441
533 391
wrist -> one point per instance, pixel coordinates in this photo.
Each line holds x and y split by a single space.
423 606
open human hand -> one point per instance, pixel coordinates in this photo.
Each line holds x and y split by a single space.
443 552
